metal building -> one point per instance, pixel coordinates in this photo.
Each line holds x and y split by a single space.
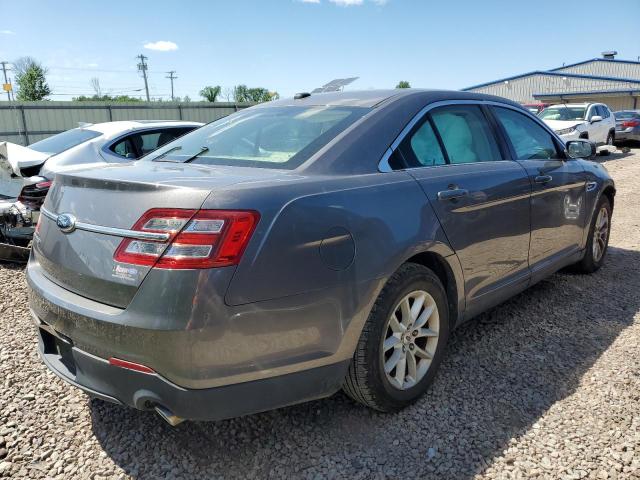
605 80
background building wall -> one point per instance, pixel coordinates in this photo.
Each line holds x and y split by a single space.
522 89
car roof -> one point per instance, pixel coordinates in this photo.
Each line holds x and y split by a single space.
111 128
373 98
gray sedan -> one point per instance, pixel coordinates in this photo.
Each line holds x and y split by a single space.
627 125
306 245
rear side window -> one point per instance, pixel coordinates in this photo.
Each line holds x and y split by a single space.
529 140
466 134
423 148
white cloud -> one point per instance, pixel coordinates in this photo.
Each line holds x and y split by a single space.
161 46
92 65
7 32
309 1
347 3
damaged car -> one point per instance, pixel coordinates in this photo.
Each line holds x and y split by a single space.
26 173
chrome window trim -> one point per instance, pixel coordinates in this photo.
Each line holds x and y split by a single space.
115 232
383 165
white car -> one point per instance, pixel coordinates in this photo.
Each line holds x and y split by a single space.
592 121
26 172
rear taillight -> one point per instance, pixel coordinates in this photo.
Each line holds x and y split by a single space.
631 123
197 238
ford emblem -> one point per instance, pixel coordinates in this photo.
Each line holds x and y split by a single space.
66 222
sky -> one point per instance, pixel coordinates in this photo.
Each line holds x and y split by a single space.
290 46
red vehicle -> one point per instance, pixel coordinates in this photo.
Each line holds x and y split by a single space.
535 108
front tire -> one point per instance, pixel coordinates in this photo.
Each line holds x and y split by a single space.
598 239
402 342
609 145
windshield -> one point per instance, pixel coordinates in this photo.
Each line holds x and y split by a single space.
563 113
268 137
626 115
64 141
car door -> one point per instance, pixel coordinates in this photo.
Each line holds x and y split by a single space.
481 199
595 128
558 191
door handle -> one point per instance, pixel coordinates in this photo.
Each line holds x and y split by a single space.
543 179
452 194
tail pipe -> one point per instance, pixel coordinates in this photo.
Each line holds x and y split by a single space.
168 416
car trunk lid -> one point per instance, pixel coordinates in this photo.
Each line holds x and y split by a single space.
115 197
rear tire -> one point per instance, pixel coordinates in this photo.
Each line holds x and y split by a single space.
409 324
598 239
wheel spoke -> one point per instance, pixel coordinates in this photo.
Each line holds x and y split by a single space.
396 326
412 369
391 342
419 352
401 368
393 361
427 332
406 312
425 315
417 306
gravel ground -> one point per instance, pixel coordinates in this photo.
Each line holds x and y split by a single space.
546 385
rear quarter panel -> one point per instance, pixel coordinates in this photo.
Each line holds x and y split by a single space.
320 232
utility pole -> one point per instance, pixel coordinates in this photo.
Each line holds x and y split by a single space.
172 78
6 81
142 66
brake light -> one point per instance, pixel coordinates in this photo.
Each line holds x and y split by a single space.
197 238
116 362
631 123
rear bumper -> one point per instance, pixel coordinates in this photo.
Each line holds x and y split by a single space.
629 134
145 391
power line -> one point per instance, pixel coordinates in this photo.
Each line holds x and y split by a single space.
6 81
142 66
172 78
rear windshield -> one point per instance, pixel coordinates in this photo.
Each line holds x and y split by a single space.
64 141
563 113
268 137
626 115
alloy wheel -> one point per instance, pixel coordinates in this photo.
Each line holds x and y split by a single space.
411 338
600 234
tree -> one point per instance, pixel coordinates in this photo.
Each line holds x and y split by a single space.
243 94
403 84
210 94
31 80
186 99
106 98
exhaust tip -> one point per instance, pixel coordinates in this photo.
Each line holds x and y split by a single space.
168 416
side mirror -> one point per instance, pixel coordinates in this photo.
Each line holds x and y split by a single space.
581 149
596 118
130 156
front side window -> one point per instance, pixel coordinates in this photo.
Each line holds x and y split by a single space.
529 140
64 141
267 137
562 112
466 134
